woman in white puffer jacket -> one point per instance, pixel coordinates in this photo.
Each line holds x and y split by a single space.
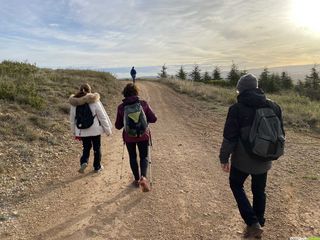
91 137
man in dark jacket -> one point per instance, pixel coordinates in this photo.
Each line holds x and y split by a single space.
133 74
237 126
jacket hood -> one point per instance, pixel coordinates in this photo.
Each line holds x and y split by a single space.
253 98
131 99
88 98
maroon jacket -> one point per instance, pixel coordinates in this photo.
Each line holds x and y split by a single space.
151 118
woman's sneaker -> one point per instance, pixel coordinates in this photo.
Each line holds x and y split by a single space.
135 183
144 184
83 167
99 170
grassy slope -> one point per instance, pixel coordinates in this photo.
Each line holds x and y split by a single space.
299 112
36 144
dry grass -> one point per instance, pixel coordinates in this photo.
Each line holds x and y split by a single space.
298 111
202 91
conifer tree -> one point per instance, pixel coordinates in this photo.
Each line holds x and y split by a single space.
269 82
195 75
313 79
206 77
181 74
264 79
233 75
286 81
163 73
216 74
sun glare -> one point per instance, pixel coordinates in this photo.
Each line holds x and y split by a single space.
306 14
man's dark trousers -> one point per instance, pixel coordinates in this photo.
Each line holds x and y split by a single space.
255 213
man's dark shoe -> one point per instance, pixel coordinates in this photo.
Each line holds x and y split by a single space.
253 231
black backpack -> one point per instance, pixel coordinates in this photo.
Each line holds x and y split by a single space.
266 139
84 117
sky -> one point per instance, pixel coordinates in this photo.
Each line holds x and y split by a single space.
146 34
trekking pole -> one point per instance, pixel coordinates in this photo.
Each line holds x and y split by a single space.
150 165
122 160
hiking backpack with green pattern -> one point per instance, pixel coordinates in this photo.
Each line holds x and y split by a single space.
135 121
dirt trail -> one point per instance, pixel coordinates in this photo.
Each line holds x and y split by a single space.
190 198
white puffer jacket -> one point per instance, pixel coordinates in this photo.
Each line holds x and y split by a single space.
101 124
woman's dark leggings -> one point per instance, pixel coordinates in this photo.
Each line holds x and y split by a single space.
143 154
88 143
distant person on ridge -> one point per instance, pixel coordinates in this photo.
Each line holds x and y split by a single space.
237 132
134 115
89 120
133 74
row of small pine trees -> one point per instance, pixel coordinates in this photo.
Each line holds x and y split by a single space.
269 82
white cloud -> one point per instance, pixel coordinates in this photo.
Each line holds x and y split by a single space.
143 32
53 25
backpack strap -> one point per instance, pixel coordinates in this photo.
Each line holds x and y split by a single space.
130 103
274 107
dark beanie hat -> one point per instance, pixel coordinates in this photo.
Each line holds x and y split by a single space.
248 81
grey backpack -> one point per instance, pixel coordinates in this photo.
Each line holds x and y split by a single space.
266 138
135 121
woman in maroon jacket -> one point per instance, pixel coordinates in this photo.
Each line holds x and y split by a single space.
130 92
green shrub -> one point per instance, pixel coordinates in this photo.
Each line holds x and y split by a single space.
17 69
7 90
17 83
